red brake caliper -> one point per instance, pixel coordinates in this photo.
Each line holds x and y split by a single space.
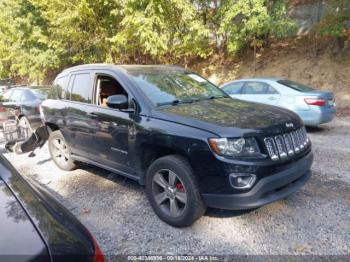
179 186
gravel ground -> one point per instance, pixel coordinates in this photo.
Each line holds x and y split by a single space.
315 220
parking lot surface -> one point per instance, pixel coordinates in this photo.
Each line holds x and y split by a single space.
315 220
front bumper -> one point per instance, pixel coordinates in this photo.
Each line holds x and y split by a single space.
267 190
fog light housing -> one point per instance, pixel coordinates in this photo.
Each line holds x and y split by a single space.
242 180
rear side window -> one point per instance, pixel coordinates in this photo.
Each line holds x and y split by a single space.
271 90
82 88
58 90
234 88
255 88
296 86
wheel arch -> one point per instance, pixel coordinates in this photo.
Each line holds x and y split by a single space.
51 127
151 153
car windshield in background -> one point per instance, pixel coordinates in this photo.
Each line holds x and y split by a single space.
296 86
41 93
174 87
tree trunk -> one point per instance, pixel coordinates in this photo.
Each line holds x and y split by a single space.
318 19
254 57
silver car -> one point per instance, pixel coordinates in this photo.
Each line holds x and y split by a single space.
315 107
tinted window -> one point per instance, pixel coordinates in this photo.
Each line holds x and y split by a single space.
234 88
58 90
82 89
255 88
27 96
296 86
168 86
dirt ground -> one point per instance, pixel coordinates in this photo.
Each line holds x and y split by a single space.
314 220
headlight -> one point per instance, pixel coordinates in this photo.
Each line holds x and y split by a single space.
242 147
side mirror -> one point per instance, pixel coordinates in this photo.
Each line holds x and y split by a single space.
117 101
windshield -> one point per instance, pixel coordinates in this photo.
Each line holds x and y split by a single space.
173 87
296 86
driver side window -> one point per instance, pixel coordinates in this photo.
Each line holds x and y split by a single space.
106 86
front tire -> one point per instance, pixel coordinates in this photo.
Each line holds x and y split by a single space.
60 152
173 192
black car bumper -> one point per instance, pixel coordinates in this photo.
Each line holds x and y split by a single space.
267 190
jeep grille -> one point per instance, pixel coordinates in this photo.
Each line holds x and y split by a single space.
288 144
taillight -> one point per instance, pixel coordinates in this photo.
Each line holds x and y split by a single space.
37 108
315 101
98 253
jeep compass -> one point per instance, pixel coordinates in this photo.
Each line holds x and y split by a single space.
170 129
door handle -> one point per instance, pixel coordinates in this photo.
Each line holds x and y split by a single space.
272 98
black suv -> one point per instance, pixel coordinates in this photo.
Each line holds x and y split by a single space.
173 131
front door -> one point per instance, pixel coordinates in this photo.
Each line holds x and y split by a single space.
116 127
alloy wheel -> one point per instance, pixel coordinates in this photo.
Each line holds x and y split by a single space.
60 151
169 192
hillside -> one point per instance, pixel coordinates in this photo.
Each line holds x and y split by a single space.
296 60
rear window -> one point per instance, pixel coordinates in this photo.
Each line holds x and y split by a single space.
16 95
27 96
296 86
41 93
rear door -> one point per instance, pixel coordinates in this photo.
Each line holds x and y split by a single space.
259 92
77 130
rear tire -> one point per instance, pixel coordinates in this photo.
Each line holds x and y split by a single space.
173 192
60 152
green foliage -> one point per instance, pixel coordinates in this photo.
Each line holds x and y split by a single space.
248 22
158 28
38 37
334 24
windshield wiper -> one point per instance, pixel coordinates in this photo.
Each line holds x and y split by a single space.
213 97
177 101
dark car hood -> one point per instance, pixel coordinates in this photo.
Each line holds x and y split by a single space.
63 233
226 115
19 236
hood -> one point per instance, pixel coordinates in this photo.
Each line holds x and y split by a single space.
226 115
18 235
62 232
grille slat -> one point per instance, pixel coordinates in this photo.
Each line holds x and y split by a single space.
288 144
281 147
295 142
